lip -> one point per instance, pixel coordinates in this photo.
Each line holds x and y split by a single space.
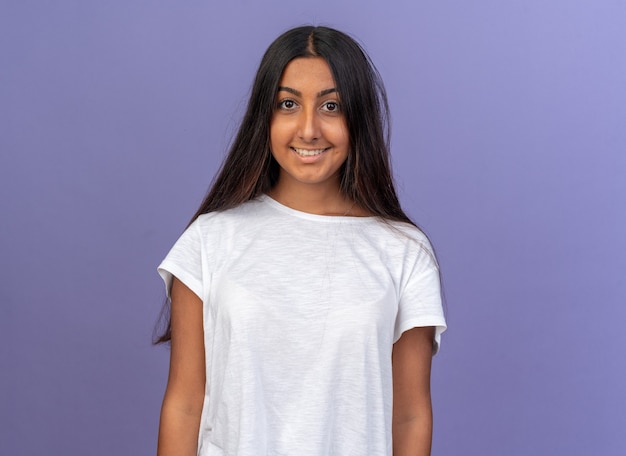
306 153
312 155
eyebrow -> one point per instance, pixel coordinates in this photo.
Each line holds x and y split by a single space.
299 94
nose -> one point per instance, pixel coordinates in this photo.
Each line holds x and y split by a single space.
309 128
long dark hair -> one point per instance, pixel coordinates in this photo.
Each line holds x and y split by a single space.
250 170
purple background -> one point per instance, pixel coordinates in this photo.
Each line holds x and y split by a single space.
509 142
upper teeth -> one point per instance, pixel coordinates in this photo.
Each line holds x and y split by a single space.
308 153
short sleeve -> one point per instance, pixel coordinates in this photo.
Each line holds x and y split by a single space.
184 261
420 302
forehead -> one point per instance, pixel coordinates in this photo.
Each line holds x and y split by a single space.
308 72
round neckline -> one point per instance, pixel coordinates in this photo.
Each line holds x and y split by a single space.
310 216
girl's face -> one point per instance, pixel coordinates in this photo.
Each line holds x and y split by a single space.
308 132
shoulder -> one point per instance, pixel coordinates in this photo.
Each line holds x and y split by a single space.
240 222
242 213
400 234
411 232
407 243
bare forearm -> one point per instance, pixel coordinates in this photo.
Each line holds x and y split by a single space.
184 395
412 408
413 437
178 430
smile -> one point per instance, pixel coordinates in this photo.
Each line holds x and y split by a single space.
307 152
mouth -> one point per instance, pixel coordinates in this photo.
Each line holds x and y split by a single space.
308 152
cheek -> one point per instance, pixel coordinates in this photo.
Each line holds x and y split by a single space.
340 135
278 134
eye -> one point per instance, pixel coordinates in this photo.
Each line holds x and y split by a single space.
287 104
331 106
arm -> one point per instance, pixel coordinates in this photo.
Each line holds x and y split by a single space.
412 420
184 395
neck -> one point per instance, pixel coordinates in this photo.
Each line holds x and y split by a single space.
312 198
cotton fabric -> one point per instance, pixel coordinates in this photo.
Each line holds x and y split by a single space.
300 314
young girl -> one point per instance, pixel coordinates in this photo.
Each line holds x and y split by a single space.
305 305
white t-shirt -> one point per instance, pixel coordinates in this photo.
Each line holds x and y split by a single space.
300 313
